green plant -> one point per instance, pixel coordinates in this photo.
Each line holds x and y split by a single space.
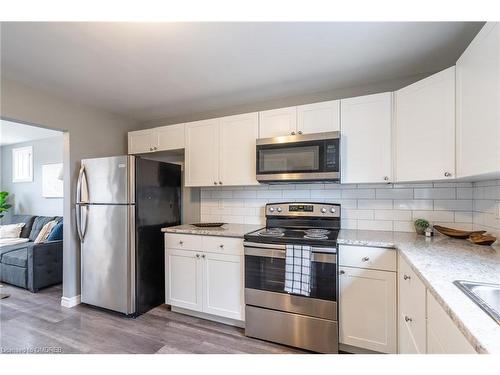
4 206
421 225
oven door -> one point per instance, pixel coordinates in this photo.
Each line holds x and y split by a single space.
298 158
265 281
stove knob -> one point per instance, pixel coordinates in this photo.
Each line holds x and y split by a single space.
323 210
333 210
279 209
271 209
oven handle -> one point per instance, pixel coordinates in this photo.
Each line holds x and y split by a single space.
315 249
281 254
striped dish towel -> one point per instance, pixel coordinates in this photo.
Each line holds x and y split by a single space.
298 269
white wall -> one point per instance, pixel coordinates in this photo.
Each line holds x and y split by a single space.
90 132
26 197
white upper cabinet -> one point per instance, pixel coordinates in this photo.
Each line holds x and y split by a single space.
171 137
237 149
278 122
202 153
366 147
142 141
164 138
318 117
221 151
478 104
425 129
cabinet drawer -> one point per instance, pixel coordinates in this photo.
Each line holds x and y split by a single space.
367 257
224 245
411 310
183 241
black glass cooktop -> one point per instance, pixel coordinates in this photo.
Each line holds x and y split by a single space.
312 236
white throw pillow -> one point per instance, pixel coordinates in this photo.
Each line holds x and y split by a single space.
11 230
44 233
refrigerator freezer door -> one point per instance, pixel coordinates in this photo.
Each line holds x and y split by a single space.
108 258
107 180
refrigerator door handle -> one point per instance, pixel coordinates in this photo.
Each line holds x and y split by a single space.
82 187
81 230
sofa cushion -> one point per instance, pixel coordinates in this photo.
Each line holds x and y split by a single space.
28 223
16 258
57 232
38 224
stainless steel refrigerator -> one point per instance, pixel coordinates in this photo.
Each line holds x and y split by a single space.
122 204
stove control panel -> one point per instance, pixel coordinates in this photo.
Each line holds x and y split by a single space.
303 209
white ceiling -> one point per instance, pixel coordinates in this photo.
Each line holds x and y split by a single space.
152 70
13 132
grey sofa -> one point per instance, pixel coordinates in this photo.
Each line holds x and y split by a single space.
29 265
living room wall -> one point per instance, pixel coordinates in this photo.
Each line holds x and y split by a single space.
26 197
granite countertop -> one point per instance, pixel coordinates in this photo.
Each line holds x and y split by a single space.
227 230
438 262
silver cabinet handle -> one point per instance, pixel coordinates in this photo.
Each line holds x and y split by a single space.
155 148
203 256
341 272
220 182
447 174
215 182
300 131
365 259
386 178
181 242
406 277
408 319
151 149
221 246
197 255
292 133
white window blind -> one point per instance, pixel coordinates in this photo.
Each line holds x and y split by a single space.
22 164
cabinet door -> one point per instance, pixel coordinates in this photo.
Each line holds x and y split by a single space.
411 314
223 285
366 147
425 129
367 309
202 153
278 122
478 98
318 117
237 149
443 336
142 141
171 137
184 278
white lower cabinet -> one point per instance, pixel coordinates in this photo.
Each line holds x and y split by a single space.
443 336
184 279
207 280
222 285
367 305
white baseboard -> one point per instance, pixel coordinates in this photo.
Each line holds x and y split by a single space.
70 301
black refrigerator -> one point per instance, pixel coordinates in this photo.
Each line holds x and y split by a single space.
122 204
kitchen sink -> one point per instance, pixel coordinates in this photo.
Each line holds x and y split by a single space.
486 296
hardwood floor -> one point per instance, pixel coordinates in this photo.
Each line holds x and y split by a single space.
37 322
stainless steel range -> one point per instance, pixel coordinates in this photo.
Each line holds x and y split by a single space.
307 319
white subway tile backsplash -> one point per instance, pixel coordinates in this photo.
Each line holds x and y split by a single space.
375 204
435 193
394 193
460 205
417 204
452 205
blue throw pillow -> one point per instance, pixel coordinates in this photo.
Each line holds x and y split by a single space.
56 234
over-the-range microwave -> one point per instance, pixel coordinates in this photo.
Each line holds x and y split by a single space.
299 158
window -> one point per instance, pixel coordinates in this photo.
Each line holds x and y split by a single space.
22 164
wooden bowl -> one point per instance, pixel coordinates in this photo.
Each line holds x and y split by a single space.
457 233
482 239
